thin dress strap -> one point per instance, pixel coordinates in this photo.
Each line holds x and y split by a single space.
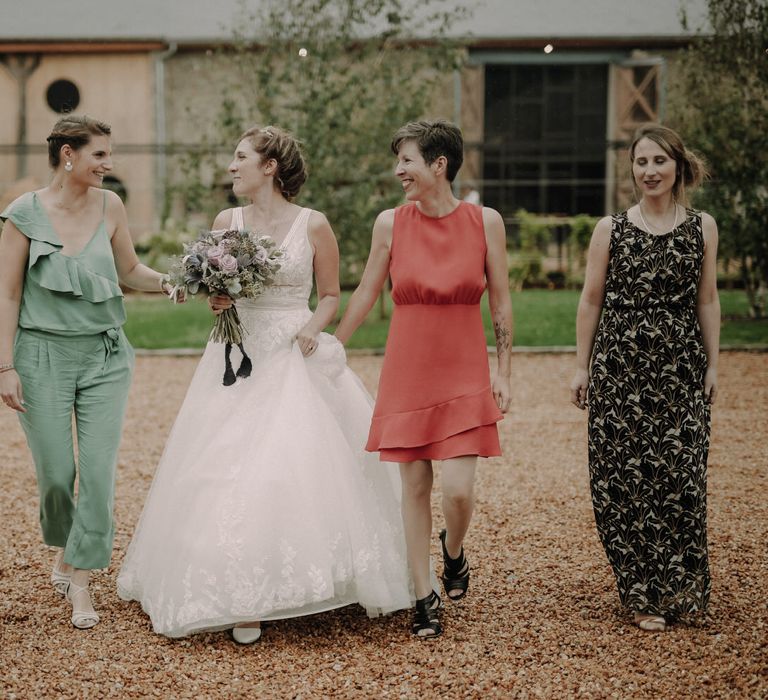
237 219
104 204
300 223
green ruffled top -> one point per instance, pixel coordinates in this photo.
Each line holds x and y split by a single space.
68 295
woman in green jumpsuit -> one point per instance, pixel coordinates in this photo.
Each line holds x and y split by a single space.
63 250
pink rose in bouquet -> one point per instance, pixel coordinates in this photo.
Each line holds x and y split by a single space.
214 255
239 264
228 264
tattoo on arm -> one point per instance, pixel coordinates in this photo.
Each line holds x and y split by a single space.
503 337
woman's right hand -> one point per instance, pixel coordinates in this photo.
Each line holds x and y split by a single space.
10 390
220 302
579 385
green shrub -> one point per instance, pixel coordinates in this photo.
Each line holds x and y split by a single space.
525 269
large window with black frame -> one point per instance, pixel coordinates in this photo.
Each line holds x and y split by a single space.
544 147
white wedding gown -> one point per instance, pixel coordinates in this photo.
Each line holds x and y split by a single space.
264 504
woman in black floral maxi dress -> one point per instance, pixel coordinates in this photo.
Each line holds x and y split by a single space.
649 320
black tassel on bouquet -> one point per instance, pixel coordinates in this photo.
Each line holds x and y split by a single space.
244 370
229 330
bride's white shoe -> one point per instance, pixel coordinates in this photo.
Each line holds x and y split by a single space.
246 635
288 412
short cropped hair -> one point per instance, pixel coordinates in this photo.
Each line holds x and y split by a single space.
433 139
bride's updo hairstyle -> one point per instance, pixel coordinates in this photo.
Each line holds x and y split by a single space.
691 170
73 131
272 142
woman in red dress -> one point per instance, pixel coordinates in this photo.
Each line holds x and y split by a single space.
436 399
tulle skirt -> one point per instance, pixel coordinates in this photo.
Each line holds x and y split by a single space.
265 504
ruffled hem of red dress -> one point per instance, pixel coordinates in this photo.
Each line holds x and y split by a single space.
435 423
482 441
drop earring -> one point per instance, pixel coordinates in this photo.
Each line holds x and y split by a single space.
68 166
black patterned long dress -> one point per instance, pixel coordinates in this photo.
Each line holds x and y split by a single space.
649 421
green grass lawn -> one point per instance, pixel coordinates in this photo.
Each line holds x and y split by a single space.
542 318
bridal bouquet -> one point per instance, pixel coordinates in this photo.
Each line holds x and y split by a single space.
240 264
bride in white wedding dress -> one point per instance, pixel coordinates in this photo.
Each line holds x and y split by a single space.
264 504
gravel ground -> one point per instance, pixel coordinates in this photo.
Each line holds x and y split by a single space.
542 618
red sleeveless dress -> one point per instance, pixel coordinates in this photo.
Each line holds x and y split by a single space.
435 399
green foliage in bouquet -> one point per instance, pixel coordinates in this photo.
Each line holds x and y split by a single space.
238 264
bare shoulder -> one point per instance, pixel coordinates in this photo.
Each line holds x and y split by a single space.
708 223
709 231
385 220
602 231
112 199
319 229
223 219
493 227
600 243
317 221
383 227
604 225
491 217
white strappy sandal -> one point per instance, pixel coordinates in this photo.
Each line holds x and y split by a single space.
650 623
80 618
60 581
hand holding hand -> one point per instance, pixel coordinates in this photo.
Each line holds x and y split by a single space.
710 385
501 392
579 385
307 341
176 294
219 303
10 390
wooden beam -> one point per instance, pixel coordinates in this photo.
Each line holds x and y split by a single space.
80 47
609 42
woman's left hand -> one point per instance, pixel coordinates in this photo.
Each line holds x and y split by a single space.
501 392
710 385
307 341
10 390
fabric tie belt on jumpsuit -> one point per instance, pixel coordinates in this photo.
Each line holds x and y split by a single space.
111 340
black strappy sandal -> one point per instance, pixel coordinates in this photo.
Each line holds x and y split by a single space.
455 572
426 624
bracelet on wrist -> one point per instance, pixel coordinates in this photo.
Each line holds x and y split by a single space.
7 367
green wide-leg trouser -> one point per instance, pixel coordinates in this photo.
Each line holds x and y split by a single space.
90 375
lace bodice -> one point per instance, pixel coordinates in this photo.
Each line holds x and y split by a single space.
293 282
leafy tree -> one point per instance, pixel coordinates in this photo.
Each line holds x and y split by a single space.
720 103
342 75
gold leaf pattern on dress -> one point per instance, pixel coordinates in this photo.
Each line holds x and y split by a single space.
649 422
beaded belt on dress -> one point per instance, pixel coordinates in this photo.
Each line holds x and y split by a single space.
269 302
